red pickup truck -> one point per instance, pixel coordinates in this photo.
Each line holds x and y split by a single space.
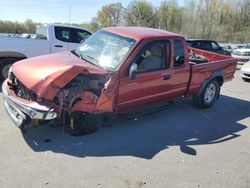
116 70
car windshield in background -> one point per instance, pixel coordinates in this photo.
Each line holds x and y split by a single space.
247 46
105 49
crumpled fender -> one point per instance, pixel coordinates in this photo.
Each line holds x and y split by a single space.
105 103
87 102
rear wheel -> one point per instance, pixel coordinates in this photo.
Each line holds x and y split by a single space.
5 65
208 96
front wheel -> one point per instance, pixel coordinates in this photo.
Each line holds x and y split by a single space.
208 96
80 124
5 65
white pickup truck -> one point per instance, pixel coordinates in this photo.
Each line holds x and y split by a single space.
50 38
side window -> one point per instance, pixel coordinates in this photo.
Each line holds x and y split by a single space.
63 34
153 56
81 36
197 44
71 35
207 45
179 53
189 43
215 46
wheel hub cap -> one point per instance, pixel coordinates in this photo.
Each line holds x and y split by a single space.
210 93
5 70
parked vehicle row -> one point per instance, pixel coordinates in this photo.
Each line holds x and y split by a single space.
116 70
49 39
245 71
230 47
242 54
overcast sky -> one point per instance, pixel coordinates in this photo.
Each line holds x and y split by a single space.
49 11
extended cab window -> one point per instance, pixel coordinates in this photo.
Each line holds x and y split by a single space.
179 53
153 56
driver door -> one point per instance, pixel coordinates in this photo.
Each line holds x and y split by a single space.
152 82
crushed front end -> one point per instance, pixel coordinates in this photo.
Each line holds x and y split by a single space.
85 93
21 109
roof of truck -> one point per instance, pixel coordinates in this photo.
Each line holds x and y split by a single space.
63 25
139 33
199 40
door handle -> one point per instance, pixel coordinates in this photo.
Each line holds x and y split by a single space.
166 77
59 46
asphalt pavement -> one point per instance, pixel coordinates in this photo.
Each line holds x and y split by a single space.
182 146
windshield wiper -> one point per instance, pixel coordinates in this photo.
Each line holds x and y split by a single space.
92 58
79 54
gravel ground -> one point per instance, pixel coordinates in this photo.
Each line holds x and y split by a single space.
181 146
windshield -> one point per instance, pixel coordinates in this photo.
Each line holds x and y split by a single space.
247 46
105 49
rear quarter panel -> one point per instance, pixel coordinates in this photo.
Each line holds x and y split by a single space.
216 63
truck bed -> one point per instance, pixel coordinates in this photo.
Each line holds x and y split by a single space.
203 64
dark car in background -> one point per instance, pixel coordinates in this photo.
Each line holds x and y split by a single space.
208 45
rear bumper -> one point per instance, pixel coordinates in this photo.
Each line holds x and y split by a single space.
19 111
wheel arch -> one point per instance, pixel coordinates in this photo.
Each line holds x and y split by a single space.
12 54
218 75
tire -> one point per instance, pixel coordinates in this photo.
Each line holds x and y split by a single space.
80 124
208 96
245 79
5 65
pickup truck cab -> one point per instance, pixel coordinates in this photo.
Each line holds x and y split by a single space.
48 39
116 70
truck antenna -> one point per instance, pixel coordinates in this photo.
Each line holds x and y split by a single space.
69 14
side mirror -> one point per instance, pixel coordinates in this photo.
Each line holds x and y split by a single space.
133 71
82 41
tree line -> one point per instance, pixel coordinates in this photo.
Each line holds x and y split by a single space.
221 20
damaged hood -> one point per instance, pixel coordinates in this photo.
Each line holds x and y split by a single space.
46 75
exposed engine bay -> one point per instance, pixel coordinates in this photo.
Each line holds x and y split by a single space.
69 95
79 89
87 82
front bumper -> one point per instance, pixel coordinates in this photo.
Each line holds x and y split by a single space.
20 110
245 74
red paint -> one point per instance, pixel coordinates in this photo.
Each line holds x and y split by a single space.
46 75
